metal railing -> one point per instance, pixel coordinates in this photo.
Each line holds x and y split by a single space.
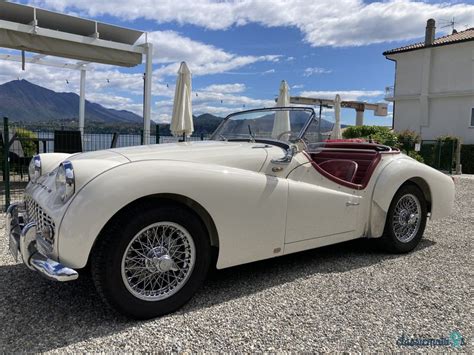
20 142
439 154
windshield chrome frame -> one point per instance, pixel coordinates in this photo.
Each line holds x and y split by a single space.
282 108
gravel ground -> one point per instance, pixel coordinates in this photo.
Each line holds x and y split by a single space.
347 297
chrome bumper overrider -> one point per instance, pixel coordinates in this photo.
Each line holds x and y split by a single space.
23 242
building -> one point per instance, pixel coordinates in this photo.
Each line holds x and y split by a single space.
434 85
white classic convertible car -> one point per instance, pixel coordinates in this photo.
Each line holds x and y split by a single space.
148 221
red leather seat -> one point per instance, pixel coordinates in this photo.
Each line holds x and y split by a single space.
364 158
342 169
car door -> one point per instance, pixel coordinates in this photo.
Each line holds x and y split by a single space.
319 208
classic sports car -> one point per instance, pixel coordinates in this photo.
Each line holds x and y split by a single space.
148 221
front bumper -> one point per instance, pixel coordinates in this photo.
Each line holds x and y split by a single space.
25 243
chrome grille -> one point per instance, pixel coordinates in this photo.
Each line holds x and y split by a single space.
44 224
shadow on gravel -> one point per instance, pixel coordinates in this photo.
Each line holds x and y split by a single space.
40 315
227 284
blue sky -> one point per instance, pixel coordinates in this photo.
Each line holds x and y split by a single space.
239 51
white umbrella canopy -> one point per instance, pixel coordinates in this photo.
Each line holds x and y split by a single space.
282 118
336 130
182 118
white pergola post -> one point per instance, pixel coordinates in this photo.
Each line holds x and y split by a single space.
82 101
359 117
147 92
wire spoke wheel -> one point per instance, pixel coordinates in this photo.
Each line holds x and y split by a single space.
158 261
406 218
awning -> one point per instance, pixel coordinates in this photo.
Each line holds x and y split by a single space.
36 30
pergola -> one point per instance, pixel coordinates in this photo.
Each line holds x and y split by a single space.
47 33
380 109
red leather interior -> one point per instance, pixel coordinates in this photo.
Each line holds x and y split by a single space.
366 160
342 169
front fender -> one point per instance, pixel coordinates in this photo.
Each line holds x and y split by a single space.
247 208
440 190
50 161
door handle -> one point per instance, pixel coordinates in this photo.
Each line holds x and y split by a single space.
349 203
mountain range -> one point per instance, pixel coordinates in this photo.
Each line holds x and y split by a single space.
21 100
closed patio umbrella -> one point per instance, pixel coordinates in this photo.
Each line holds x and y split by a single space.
282 118
182 118
336 130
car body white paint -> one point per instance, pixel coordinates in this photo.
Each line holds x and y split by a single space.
260 209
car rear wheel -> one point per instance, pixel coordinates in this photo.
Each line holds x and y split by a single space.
151 261
406 220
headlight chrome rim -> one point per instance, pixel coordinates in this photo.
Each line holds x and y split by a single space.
34 169
65 180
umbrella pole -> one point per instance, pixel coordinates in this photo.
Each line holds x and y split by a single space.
184 137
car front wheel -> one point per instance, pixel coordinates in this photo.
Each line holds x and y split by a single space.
406 220
151 260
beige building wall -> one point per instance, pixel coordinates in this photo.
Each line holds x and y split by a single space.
434 91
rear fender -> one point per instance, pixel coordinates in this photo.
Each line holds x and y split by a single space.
437 187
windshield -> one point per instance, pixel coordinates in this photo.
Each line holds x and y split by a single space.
287 124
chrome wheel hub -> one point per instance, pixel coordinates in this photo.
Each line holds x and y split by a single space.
158 261
406 218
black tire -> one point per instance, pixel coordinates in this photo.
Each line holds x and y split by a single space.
106 259
389 241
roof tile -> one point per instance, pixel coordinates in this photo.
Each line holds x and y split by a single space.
461 36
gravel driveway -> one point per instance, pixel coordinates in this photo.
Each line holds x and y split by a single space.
345 297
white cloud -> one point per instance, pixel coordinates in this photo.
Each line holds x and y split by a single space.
297 86
346 95
270 71
171 48
316 71
116 102
225 88
220 99
323 23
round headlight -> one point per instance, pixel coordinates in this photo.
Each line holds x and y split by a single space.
65 182
34 169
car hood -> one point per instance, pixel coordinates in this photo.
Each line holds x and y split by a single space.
242 155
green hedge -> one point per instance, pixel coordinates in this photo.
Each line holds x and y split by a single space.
467 158
382 135
405 141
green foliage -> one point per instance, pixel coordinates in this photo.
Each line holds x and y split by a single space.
446 139
407 140
27 139
415 155
467 158
382 135
406 143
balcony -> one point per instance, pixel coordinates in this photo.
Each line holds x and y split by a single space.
389 93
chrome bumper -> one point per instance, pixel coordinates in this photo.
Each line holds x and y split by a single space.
23 243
